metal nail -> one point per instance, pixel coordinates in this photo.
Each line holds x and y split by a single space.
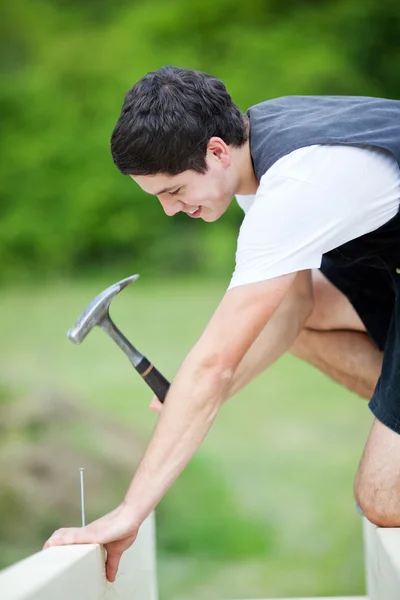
82 497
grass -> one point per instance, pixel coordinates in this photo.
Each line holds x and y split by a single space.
282 454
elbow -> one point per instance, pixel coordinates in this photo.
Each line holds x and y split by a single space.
211 373
214 366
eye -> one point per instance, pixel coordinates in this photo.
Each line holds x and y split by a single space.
175 192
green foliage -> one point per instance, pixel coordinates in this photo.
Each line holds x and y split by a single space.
65 67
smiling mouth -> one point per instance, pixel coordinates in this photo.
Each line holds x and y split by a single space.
196 213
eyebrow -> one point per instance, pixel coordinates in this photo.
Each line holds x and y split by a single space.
168 189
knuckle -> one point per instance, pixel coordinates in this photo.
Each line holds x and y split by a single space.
60 532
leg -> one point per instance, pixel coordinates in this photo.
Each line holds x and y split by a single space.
377 483
335 340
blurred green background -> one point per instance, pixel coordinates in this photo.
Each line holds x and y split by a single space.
265 508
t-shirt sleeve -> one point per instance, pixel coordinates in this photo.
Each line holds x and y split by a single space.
279 233
311 201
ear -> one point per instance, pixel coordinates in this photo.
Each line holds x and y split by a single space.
219 151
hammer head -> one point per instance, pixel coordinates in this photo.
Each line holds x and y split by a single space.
97 310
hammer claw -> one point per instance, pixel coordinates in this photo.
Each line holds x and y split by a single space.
97 314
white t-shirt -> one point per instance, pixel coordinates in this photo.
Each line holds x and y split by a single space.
309 202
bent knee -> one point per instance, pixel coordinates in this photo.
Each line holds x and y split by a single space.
376 505
377 482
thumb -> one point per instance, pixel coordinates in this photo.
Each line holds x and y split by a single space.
112 563
156 405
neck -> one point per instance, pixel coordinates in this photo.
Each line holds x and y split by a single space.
247 182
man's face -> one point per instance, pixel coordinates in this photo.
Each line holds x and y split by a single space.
206 196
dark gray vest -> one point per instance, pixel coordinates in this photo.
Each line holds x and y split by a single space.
282 125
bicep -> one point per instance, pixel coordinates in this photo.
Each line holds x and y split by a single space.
238 320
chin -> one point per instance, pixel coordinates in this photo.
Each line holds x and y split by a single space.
210 218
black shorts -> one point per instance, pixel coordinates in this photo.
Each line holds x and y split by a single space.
375 295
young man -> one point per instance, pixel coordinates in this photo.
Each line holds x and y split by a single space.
317 264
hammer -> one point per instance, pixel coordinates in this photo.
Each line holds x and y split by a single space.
97 313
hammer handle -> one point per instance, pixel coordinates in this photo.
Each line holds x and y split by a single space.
153 378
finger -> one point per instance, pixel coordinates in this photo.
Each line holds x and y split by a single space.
71 535
155 405
112 563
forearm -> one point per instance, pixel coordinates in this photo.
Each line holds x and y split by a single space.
193 401
197 392
277 336
200 388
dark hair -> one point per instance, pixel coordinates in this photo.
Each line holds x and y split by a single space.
167 120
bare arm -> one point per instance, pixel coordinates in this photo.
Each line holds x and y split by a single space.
196 394
279 333
276 337
201 386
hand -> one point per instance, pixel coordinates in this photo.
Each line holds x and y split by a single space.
117 531
156 405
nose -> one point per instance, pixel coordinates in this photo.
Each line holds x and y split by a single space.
171 206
